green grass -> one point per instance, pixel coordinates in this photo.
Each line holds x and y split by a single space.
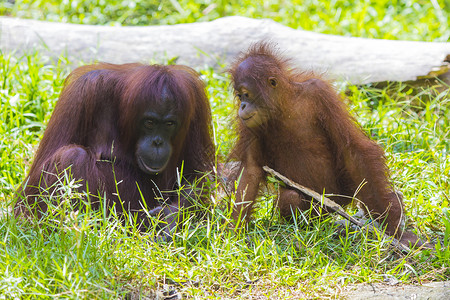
85 255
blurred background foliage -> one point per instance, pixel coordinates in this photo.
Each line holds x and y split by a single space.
426 20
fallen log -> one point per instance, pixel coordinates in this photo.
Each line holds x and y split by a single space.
215 43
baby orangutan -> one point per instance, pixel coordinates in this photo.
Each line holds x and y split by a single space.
295 123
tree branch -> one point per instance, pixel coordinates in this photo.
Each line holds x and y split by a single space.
329 204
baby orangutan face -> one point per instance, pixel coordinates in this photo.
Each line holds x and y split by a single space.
253 111
251 114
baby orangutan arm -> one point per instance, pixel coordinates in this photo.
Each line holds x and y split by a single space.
249 177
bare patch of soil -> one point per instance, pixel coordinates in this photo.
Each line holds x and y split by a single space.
431 290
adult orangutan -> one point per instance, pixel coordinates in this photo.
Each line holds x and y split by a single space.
125 131
295 123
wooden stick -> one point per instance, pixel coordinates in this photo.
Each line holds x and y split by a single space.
329 204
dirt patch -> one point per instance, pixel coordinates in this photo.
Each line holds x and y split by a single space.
431 290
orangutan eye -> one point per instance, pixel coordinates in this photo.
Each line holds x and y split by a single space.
170 123
273 82
149 124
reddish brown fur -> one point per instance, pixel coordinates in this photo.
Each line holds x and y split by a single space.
309 137
93 129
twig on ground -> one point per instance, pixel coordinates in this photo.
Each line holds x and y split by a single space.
330 205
